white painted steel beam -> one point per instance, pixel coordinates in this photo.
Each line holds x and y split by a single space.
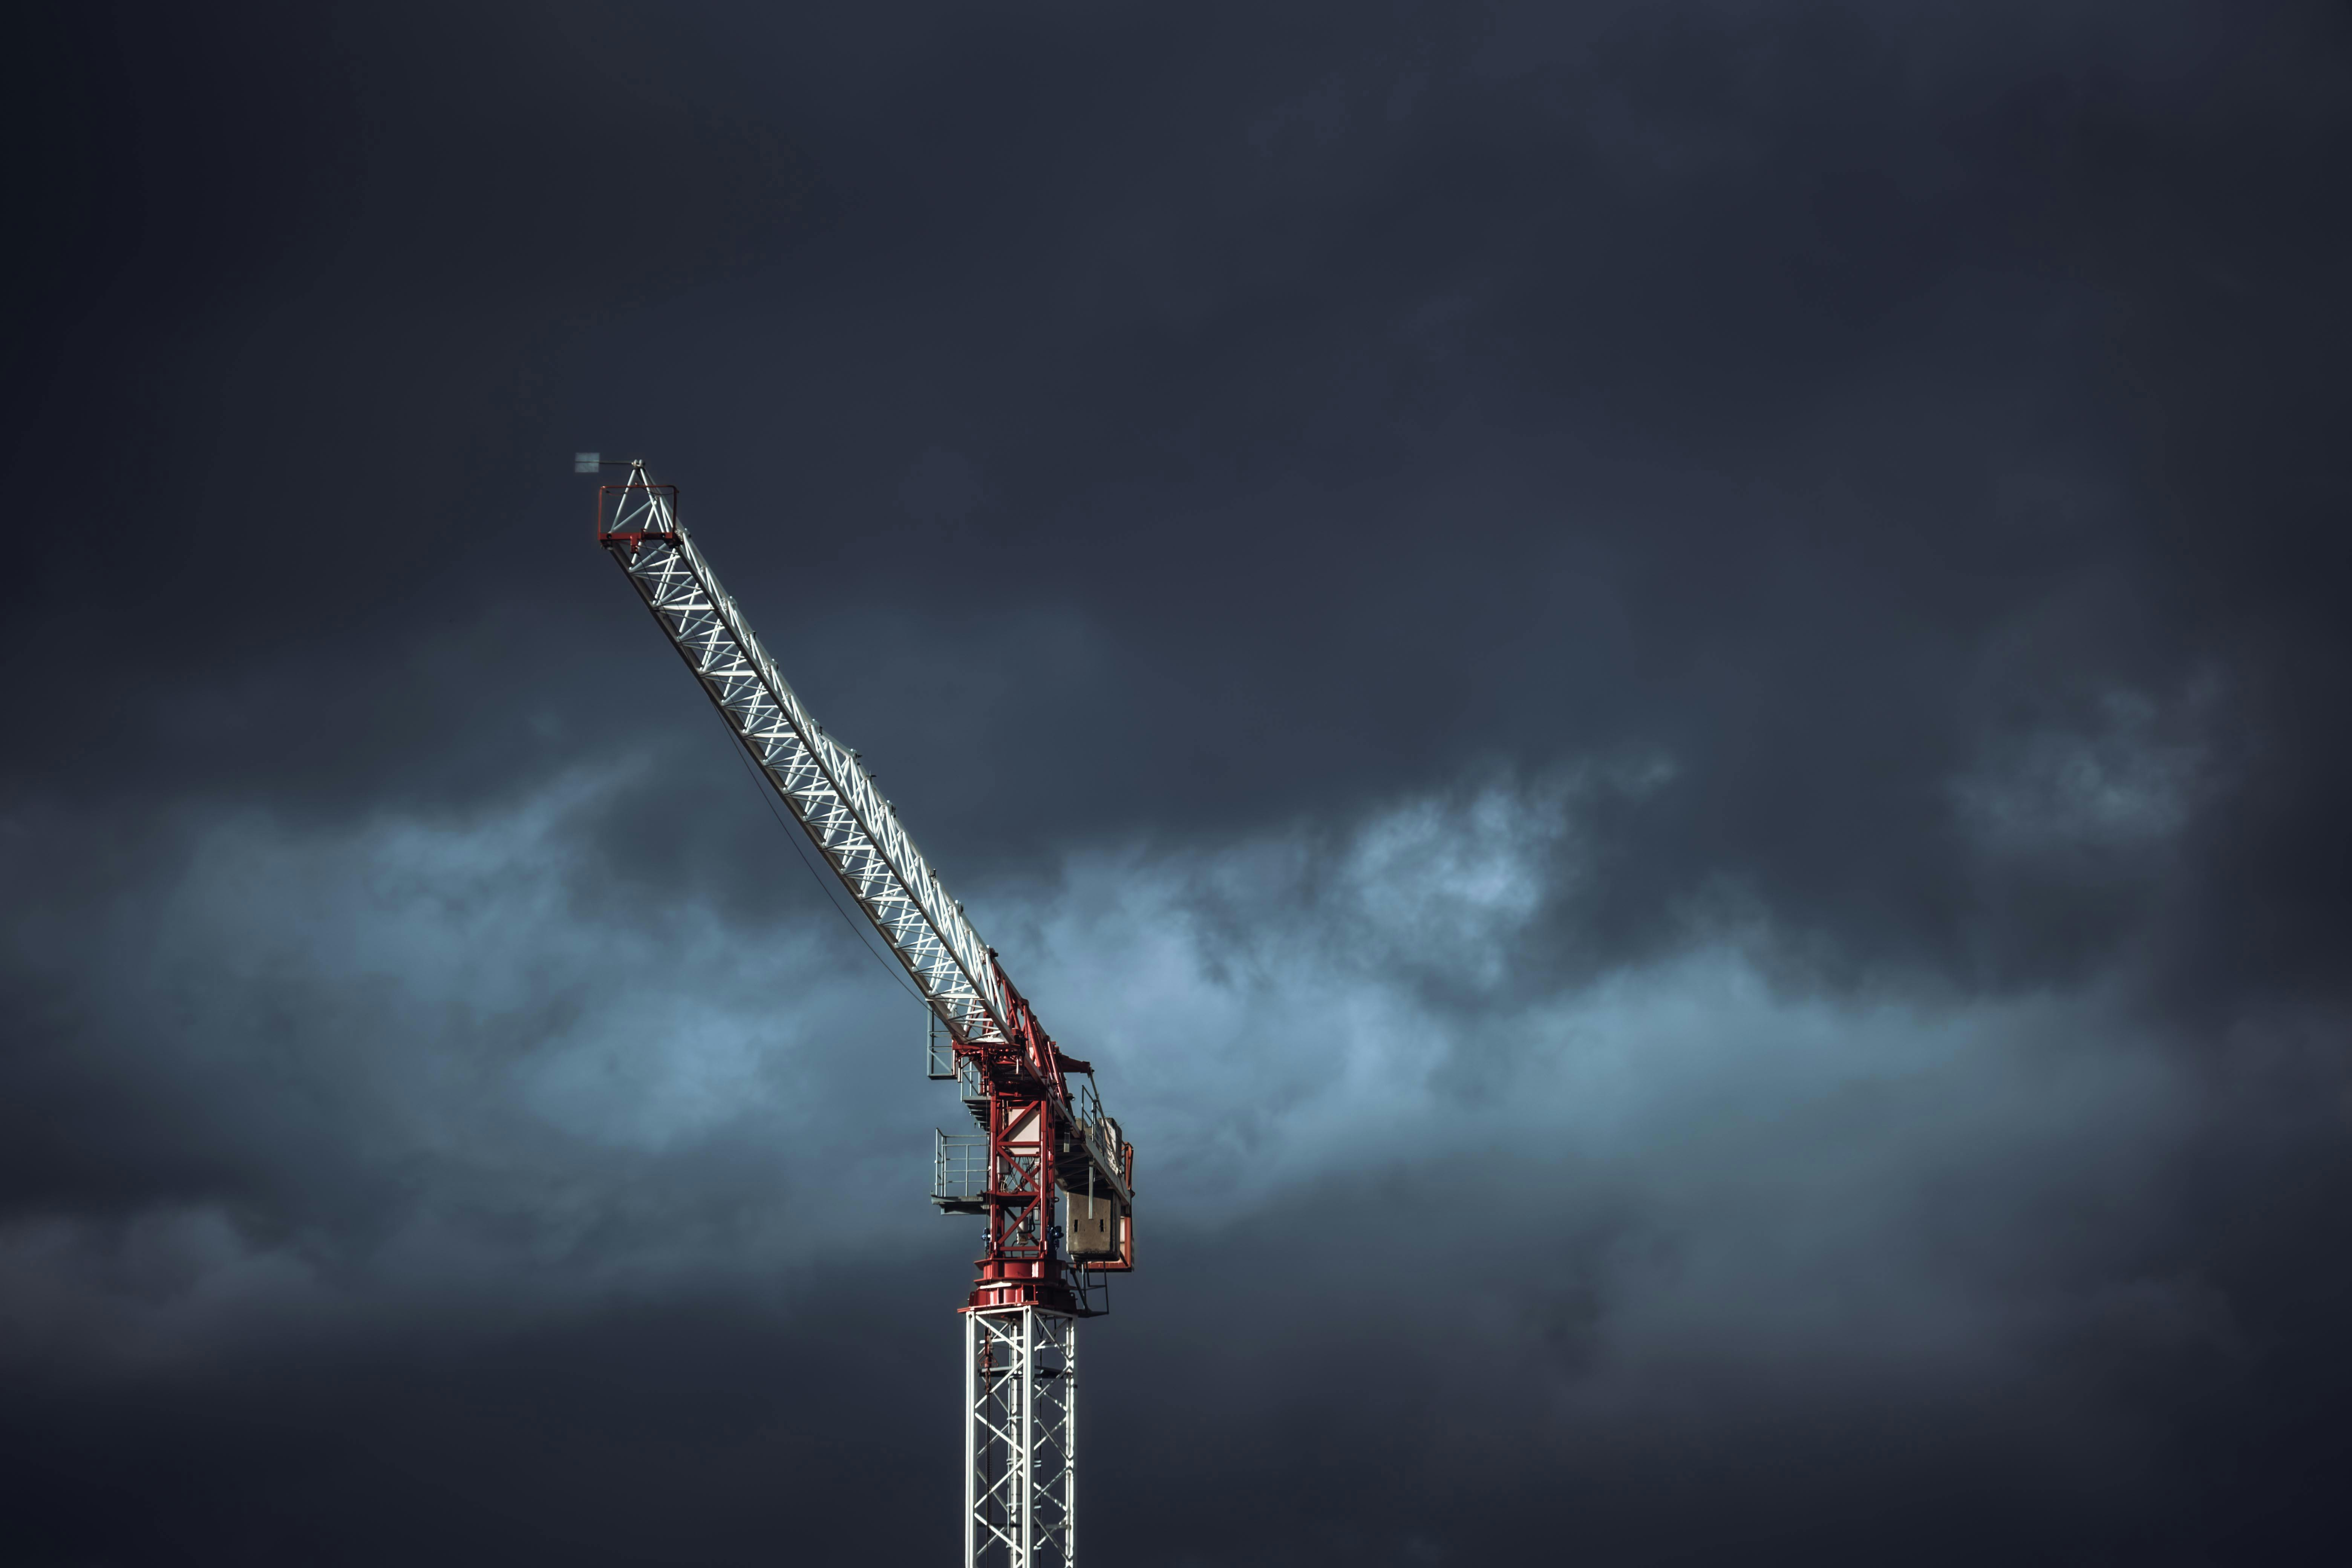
819 780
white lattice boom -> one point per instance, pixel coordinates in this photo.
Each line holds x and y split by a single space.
823 780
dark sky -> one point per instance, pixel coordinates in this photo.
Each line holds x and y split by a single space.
1665 686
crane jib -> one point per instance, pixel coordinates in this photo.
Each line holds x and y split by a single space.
824 786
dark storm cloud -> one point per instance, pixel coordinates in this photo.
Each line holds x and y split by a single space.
1662 683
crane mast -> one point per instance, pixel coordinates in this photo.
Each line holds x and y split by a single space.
1050 1171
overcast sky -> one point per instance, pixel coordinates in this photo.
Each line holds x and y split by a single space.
1663 686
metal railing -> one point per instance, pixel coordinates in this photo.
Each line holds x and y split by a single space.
959 1172
972 1085
939 1048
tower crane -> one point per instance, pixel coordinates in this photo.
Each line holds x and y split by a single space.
1052 1173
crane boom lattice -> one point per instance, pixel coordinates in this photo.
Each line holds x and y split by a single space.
822 782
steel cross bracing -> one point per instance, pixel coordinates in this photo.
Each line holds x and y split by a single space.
822 782
1021 1368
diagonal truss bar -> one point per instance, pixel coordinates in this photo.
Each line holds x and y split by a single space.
1019 1440
820 782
